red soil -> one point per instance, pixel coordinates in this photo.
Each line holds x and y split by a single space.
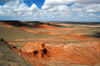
25 29
51 23
6 25
75 36
44 26
21 24
85 54
36 53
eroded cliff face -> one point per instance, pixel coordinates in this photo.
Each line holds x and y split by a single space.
54 51
41 54
83 54
34 49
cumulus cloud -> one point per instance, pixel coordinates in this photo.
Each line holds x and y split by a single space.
53 10
78 9
34 8
93 8
18 8
78 5
65 2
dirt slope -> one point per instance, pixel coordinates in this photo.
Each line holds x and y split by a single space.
79 54
42 44
9 58
22 24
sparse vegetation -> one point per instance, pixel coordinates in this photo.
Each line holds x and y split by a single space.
68 39
48 55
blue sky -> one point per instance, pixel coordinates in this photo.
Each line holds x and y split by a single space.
39 3
50 10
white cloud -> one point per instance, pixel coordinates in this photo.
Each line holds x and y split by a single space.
92 15
45 7
65 2
78 5
53 10
34 8
18 8
79 9
93 8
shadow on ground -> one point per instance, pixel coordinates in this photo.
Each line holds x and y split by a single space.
82 23
27 23
47 23
15 23
96 35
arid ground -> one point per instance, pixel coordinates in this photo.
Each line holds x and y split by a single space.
53 43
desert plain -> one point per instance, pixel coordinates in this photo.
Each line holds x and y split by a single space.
39 43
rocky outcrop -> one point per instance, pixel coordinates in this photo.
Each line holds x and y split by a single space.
34 49
83 54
